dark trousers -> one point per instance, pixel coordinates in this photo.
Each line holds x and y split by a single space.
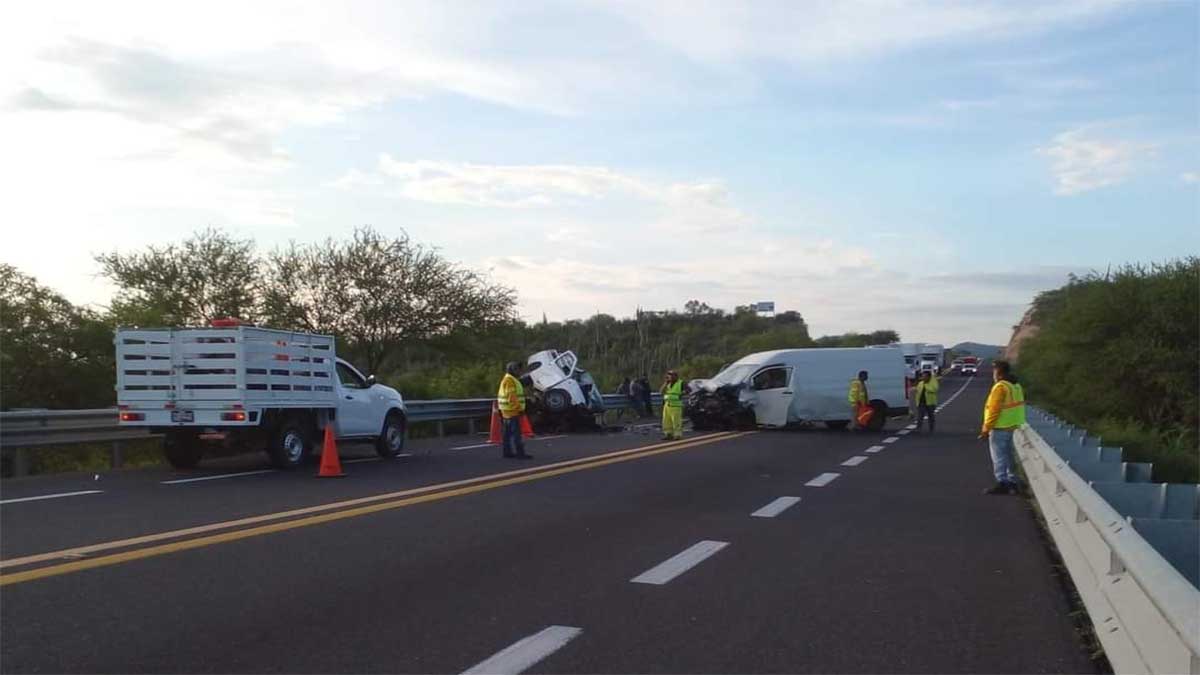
514 444
924 411
649 407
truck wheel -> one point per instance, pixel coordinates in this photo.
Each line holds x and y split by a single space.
291 444
391 439
556 400
879 418
182 450
837 425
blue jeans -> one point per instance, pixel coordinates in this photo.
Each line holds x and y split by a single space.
1000 442
513 442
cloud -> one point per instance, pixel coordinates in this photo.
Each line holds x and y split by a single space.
1190 177
1084 159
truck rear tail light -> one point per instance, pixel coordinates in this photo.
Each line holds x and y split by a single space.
235 416
132 417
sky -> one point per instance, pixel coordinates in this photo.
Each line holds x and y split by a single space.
921 166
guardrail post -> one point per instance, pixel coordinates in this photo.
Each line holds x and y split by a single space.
116 460
471 426
20 463
441 428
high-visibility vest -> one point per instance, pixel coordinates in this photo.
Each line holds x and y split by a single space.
504 399
858 392
930 389
673 395
1012 411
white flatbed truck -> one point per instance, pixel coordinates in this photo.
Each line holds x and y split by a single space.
238 386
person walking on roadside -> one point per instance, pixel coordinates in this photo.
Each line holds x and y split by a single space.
1003 414
926 395
672 390
857 397
510 399
644 387
910 392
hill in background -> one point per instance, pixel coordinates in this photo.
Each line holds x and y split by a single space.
984 352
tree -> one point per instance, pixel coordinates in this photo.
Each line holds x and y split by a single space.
52 353
209 276
378 293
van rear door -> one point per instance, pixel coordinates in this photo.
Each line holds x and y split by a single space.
773 393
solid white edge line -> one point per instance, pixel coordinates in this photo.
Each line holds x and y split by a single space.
891 439
822 480
54 496
360 459
855 460
496 445
524 653
217 477
776 507
874 449
679 563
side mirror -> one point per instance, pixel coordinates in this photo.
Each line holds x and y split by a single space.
370 380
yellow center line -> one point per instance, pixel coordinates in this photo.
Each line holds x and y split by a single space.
225 537
225 525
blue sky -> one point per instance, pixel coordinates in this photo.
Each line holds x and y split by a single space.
924 166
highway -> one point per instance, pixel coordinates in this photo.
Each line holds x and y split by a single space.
765 551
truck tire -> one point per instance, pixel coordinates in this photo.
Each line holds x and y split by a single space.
291 443
391 438
837 425
182 449
556 400
879 419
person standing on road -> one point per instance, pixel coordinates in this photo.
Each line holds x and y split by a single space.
644 388
624 389
672 390
857 397
511 401
926 395
1003 414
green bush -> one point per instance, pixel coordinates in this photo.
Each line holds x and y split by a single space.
1119 354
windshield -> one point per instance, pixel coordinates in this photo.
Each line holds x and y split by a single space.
735 374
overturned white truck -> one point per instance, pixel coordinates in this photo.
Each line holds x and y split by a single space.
796 387
562 396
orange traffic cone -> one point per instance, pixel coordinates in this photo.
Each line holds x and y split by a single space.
494 432
526 427
331 465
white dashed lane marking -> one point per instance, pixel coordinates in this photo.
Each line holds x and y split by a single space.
776 507
523 654
874 449
679 563
891 439
54 496
822 480
179 481
855 460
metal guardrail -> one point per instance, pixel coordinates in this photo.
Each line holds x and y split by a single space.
24 430
1145 612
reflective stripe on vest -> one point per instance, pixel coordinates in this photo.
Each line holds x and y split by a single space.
504 402
673 397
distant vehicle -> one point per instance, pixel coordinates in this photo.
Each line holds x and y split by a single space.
932 358
234 385
798 386
970 365
563 394
956 364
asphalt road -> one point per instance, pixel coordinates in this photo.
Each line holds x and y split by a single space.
608 553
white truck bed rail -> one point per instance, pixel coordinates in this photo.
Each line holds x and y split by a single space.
208 367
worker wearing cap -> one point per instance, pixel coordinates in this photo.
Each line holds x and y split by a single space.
857 397
510 399
672 391
1003 414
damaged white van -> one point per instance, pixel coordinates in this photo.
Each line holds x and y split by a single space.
796 387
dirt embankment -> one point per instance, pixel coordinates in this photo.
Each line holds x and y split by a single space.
1021 332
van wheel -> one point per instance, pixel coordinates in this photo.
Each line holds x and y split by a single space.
879 418
291 444
837 425
183 450
556 400
391 439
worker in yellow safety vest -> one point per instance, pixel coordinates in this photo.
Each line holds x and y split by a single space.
926 394
672 391
1003 414
857 397
510 399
